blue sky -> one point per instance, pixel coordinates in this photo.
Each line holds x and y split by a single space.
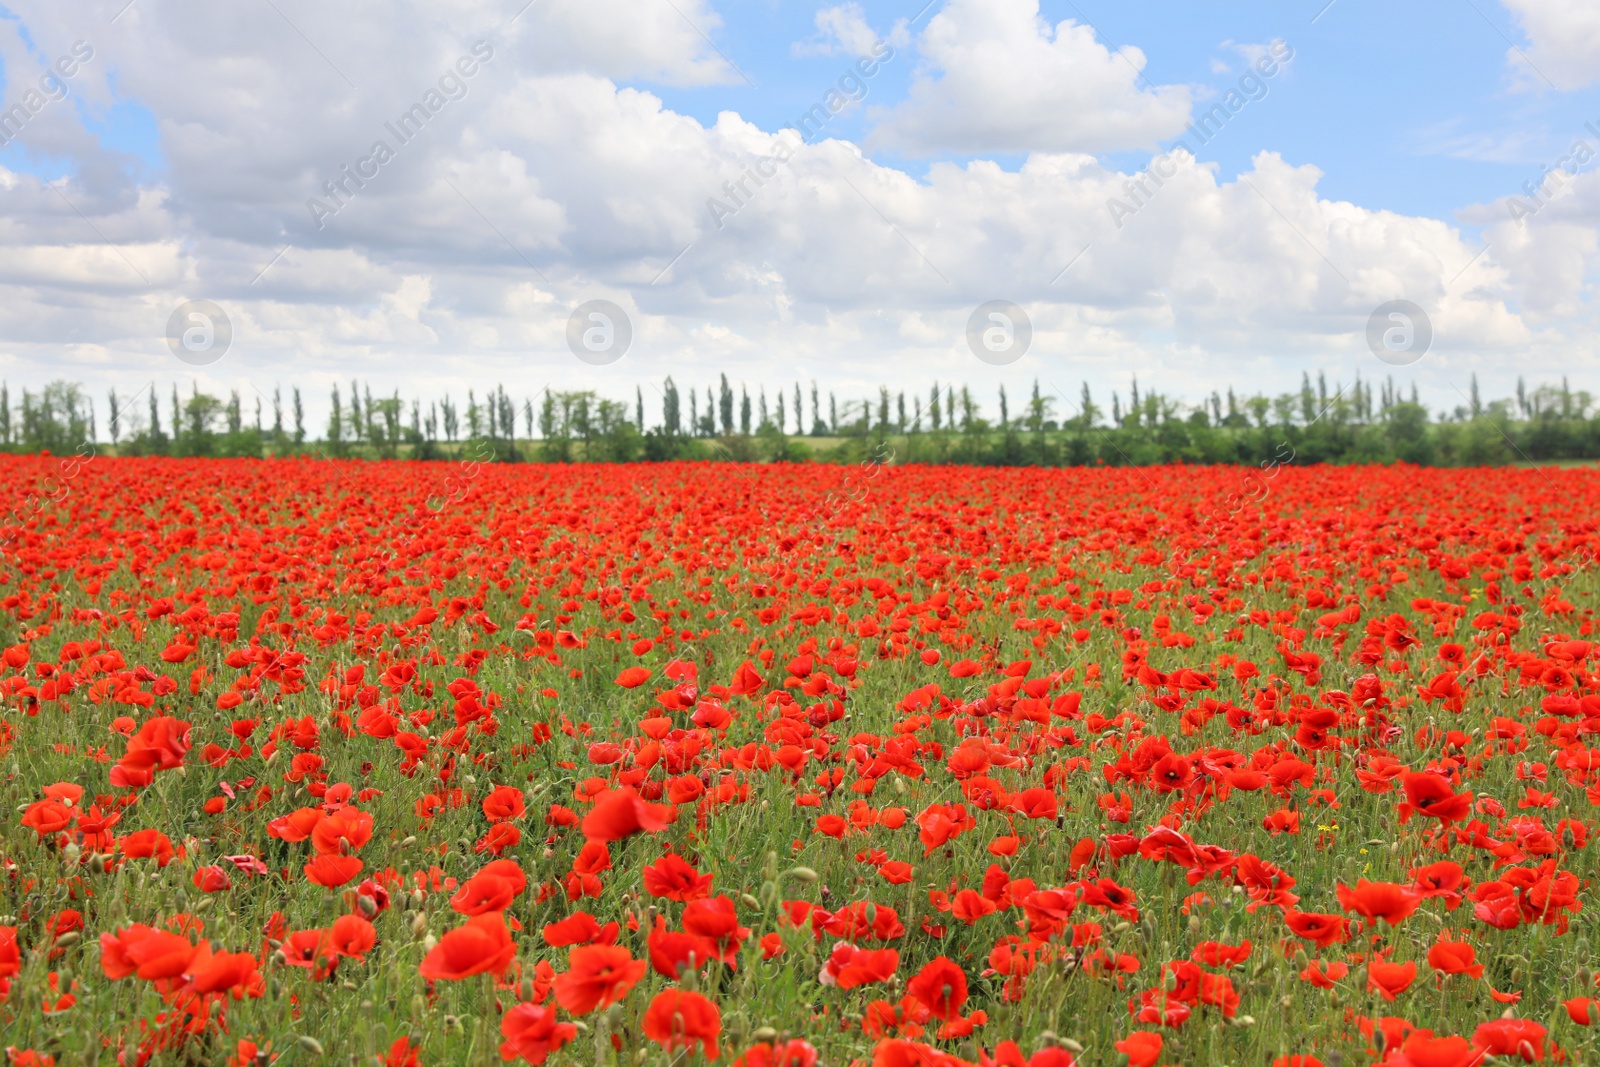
1378 165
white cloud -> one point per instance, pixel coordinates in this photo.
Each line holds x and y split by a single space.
843 30
996 77
835 266
1564 38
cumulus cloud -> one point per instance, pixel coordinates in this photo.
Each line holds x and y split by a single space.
995 77
540 186
1564 42
843 30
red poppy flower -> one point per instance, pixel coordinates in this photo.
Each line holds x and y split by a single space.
633 677
796 1052
352 935
150 954
531 1032
332 871
1455 957
674 879
481 945
942 986
504 802
1379 900
1142 1047
1389 980
1431 795
220 972
621 813
678 1019
597 976
580 928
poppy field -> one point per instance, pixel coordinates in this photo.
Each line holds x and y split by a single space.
783 765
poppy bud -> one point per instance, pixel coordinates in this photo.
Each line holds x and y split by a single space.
764 1033
309 1045
419 925
802 874
749 901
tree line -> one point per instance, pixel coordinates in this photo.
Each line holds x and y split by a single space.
1365 422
